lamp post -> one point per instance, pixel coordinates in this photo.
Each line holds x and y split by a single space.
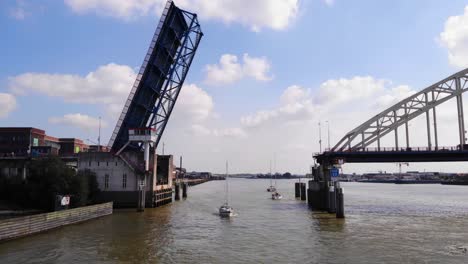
99 137
328 134
320 137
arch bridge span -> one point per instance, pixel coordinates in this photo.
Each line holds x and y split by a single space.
355 146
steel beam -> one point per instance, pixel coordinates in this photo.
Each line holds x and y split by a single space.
461 125
428 123
436 141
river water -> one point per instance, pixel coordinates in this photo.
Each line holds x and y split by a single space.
385 223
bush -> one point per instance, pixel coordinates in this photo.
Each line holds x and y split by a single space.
84 188
47 178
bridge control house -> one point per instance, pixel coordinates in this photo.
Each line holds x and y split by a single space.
119 177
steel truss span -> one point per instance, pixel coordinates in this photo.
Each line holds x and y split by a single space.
423 102
161 76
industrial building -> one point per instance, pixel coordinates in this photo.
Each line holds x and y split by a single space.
118 176
18 145
33 142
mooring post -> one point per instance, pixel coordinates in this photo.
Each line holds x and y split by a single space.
297 189
339 203
331 200
303 191
184 189
141 194
177 191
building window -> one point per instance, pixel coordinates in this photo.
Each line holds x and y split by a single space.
106 181
124 181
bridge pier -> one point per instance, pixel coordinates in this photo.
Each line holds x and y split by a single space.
325 195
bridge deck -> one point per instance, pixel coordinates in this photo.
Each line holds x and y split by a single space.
441 155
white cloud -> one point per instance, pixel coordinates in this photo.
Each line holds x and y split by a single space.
343 90
235 132
7 103
256 68
395 95
232 132
78 120
255 14
200 130
194 103
227 71
333 96
108 85
455 39
230 69
295 105
329 2
19 11
122 9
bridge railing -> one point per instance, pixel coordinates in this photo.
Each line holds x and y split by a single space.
403 149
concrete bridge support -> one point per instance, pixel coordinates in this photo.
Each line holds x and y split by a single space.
325 195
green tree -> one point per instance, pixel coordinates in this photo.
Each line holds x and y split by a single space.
48 177
84 188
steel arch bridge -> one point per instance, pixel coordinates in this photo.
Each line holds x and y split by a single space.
354 146
421 103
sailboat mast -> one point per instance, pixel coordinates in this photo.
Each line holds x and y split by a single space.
227 186
274 160
271 176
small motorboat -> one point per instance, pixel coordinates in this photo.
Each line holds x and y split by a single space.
276 196
226 211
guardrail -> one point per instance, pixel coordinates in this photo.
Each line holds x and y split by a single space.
16 227
393 149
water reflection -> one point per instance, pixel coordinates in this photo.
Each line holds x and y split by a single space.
383 224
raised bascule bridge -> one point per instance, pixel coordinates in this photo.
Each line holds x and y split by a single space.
363 143
139 174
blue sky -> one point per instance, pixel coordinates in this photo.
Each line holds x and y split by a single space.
270 106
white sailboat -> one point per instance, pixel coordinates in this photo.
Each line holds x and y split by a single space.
276 195
225 210
271 188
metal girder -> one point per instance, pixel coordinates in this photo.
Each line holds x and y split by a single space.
161 76
399 114
177 74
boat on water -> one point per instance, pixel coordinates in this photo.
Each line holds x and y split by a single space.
271 188
226 210
276 196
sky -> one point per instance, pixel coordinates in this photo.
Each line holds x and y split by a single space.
266 73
